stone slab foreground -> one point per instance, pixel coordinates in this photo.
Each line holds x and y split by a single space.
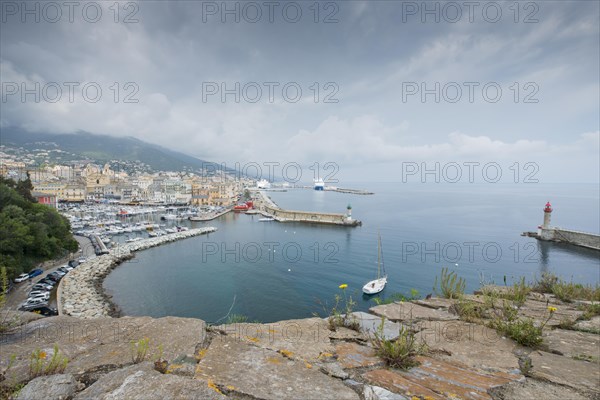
576 374
102 341
306 338
265 374
436 379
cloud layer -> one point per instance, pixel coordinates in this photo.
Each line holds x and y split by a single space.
355 107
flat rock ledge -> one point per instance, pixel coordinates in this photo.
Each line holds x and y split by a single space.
298 359
80 292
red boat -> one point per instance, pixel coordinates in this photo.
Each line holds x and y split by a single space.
243 207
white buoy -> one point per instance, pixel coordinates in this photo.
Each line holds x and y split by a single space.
289 270
456 265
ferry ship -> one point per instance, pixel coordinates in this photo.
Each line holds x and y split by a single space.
263 184
319 184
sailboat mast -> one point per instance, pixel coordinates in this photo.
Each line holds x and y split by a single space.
378 256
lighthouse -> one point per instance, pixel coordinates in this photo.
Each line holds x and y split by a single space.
547 215
349 213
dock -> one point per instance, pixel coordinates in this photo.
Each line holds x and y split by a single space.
350 191
210 217
265 206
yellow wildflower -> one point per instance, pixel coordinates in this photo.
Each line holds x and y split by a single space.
552 309
42 355
343 286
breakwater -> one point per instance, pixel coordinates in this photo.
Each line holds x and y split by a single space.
582 239
80 292
267 207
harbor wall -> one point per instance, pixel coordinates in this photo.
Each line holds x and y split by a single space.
266 206
583 239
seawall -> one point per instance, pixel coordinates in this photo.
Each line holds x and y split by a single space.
80 292
267 207
583 239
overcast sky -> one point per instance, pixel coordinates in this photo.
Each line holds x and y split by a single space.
369 61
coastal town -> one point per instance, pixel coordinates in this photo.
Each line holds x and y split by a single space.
86 181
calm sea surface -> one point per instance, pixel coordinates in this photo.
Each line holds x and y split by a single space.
272 271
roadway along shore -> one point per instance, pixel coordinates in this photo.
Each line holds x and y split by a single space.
80 292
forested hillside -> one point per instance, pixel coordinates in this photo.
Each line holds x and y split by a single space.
29 232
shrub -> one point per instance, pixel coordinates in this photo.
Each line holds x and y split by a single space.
523 331
236 319
341 313
450 285
139 350
469 311
400 352
519 292
38 365
545 284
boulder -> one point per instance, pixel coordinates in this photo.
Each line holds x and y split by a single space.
59 387
142 382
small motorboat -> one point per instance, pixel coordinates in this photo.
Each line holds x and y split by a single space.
267 219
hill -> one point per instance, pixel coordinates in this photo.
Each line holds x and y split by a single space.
104 148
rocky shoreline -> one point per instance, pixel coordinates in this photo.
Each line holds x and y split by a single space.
80 293
307 358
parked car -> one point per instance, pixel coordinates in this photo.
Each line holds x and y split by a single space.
39 295
73 263
35 272
34 292
33 303
42 286
47 281
59 272
46 311
53 277
21 278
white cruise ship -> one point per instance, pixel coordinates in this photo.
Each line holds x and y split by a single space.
319 184
263 184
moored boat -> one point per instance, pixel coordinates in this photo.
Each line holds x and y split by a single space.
377 285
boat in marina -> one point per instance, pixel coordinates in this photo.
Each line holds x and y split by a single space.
267 219
243 206
377 285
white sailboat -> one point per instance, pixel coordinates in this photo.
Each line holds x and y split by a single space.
377 285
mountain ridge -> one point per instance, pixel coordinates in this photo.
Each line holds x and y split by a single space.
104 148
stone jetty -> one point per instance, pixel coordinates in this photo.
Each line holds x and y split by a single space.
80 292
